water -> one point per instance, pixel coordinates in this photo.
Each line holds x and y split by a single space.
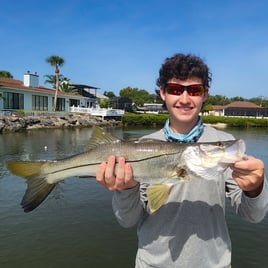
75 226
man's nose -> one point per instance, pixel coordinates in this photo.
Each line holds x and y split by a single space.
184 97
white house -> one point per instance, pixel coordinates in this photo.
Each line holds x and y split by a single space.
28 95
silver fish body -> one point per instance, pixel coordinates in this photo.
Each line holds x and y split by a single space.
159 163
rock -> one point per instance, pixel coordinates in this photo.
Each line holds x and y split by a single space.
14 123
2 125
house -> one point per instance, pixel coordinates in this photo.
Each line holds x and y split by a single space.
217 110
28 95
123 103
151 108
240 108
89 92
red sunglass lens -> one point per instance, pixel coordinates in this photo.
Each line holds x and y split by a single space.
192 90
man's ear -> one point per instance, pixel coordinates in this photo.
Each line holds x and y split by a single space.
205 97
162 93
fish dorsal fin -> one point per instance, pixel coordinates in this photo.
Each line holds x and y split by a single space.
157 195
99 136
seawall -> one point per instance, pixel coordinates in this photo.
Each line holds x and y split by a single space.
15 123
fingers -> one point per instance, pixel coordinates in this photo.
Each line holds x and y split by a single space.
120 176
250 166
109 177
100 173
124 178
115 176
249 174
249 162
105 174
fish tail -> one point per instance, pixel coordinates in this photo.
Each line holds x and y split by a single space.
37 186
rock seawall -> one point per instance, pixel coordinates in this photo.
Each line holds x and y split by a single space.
15 123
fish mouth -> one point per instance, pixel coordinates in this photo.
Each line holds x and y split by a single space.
234 152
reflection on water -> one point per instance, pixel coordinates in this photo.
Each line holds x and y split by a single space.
75 226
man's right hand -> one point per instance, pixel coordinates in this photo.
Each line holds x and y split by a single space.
112 178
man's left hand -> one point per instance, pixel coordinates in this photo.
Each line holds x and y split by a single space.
249 175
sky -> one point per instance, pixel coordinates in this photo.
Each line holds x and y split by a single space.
113 44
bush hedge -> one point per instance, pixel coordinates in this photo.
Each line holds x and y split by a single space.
159 119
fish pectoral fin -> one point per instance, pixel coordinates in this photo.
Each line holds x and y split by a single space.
157 195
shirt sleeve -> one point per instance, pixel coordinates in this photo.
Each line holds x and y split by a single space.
251 209
128 206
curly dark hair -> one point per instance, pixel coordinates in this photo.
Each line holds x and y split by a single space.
182 67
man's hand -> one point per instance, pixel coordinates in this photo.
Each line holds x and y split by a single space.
249 175
113 178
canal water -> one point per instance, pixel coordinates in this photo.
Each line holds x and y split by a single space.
75 226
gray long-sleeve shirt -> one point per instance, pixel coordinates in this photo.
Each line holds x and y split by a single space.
189 230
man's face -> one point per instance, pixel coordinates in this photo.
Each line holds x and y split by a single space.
183 109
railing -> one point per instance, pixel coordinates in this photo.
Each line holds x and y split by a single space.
103 112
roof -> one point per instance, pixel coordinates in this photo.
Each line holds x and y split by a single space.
78 86
18 84
242 104
218 107
89 91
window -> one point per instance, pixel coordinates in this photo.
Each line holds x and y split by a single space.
13 100
60 104
74 102
39 103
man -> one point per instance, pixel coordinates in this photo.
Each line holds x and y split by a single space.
189 230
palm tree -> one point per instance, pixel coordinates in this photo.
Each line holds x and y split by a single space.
66 87
56 61
51 79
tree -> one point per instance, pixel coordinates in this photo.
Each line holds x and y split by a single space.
105 103
217 100
65 85
51 79
64 82
237 98
207 108
137 96
108 94
56 61
6 74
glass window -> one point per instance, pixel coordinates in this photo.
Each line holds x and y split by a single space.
39 103
60 104
13 100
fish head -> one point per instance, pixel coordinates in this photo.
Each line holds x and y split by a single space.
208 159
223 152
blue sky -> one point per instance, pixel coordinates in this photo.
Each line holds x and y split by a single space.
112 44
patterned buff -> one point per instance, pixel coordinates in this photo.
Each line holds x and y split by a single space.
190 137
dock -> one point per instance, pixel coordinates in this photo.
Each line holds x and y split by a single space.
102 112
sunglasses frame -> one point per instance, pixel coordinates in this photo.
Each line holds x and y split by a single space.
194 90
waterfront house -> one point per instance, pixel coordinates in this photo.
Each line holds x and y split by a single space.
240 108
29 95
90 92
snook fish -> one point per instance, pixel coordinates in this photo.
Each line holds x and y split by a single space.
159 163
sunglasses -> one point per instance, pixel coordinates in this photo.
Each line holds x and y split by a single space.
192 90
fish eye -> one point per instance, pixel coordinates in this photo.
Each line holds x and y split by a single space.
220 144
